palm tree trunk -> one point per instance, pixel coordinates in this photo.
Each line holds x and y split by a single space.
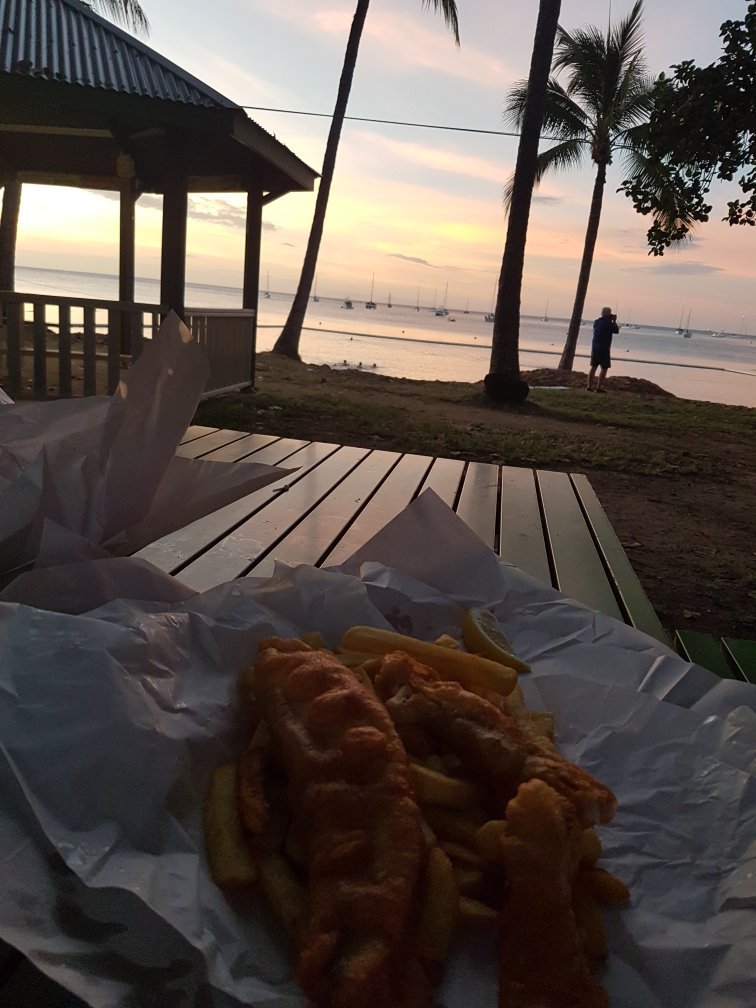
505 351
594 217
288 342
8 232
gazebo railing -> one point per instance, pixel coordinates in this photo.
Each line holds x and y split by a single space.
56 347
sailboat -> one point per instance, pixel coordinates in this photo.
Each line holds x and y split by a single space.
388 303
546 312
417 306
467 308
686 331
371 303
442 310
267 284
679 327
489 316
315 294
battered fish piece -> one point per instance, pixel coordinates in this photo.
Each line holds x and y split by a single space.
487 740
353 806
543 963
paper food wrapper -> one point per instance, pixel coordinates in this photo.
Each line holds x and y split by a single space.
112 720
105 469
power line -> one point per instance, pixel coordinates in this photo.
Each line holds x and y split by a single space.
385 122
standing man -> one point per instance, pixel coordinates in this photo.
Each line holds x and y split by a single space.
604 328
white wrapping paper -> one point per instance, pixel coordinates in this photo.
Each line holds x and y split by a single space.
105 467
111 720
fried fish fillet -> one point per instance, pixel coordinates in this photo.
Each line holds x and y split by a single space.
543 963
487 740
353 806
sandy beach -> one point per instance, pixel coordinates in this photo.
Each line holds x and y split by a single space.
676 477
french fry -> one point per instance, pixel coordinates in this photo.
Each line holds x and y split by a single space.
541 725
605 888
438 789
314 639
253 804
473 911
232 865
459 666
470 881
438 913
590 921
461 854
461 827
590 847
283 893
488 839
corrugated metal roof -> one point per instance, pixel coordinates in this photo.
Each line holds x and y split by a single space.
62 40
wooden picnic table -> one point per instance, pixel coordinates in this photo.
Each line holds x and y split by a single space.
549 524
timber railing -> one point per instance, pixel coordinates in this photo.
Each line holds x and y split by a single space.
56 347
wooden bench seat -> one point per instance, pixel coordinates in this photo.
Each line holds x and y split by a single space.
727 656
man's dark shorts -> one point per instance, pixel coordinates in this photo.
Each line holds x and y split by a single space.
600 357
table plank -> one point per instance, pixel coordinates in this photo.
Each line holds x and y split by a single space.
478 501
578 569
312 538
241 450
236 553
196 431
521 534
638 611
445 479
201 446
178 548
394 494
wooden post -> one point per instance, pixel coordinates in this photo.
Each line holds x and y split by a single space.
173 257
251 281
8 230
126 259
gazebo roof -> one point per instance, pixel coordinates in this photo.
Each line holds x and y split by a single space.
77 94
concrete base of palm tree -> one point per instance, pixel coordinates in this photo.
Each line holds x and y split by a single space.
503 389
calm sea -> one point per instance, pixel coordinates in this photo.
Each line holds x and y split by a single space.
409 343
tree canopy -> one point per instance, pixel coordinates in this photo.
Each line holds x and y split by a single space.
702 127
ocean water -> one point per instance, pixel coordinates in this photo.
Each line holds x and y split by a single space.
404 342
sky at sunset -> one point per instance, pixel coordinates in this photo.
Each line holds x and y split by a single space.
419 208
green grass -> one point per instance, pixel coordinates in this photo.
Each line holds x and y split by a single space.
607 444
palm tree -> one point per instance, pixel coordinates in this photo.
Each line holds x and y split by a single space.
288 341
602 108
503 383
124 12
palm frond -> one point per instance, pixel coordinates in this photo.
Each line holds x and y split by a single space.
561 157
448 10
126 13
671 210
562 117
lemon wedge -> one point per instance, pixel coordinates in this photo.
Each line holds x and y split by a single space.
483 635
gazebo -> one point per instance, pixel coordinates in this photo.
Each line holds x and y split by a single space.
84 104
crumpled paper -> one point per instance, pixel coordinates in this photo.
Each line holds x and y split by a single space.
105 468
112 721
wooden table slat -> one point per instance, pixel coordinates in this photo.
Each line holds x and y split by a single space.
392 496
578 568
445 479
196 431
313 537
244 450
210 442
638 610
233 555
180 547
478 501
521 540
